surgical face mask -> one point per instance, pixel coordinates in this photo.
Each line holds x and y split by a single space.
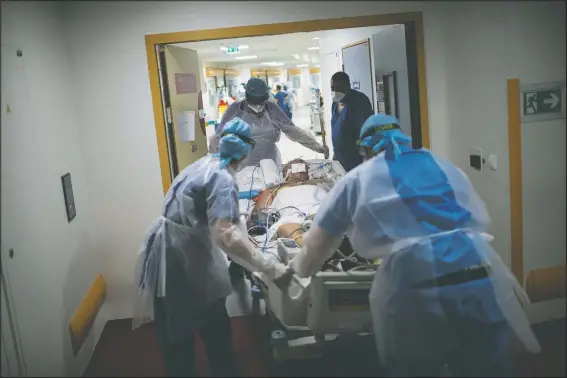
337 96
257 108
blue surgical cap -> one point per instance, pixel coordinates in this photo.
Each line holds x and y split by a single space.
382 131
231 147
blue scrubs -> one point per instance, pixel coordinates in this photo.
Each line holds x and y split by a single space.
280 96
346 121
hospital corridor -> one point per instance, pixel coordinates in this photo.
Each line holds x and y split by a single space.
265 189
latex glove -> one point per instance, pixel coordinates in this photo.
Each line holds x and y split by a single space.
283 279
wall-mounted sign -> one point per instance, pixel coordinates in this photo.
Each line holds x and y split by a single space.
232 50
185 83
542 101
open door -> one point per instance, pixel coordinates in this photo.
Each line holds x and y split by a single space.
180 79
357 63
397 86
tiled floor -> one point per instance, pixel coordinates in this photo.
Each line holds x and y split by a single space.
291 150
121 352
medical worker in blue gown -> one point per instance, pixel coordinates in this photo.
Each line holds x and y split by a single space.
441 295
182 273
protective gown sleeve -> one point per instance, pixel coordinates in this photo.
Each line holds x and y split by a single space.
296 134
333 219
235 243
223 215
230 113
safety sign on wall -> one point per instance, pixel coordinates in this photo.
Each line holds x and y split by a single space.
542 102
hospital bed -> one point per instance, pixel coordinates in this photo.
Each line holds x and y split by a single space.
333 303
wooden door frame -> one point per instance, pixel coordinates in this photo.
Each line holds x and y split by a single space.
545 283
275 29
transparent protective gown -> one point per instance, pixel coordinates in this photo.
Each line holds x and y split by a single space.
184 247
266 131
422 216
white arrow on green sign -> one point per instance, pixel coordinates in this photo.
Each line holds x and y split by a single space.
542 102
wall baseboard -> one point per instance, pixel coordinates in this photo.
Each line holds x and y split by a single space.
83 319
546 283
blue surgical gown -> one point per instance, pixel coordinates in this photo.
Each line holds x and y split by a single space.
421 215
281 97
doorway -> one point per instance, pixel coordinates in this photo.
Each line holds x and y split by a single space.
167 135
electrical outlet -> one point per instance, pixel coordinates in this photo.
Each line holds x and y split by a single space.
476 159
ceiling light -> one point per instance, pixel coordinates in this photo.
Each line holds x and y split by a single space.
246 57
268 63
277 64
313 48
317 65
295 56
302 65
316 38
224 48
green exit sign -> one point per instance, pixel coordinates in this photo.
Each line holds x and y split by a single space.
543 101
232 50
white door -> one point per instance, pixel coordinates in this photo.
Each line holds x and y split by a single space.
357 64
16 214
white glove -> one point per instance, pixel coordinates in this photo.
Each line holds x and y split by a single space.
283 278
234 242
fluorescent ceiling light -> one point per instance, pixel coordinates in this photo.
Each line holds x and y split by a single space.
313 48
317 65
246 57
224 48
295 56
302 65
271 64
316 38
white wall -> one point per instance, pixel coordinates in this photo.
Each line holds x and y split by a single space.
245 74
305 92
55 261
485 45
466 96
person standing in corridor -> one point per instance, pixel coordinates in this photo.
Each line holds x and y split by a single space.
281 98
350 110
